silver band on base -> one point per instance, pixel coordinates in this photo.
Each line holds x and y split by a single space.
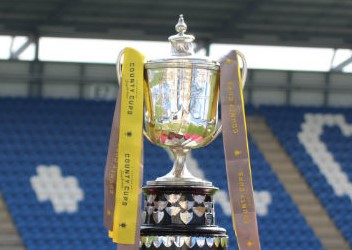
183 241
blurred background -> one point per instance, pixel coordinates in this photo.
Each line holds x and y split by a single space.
57 91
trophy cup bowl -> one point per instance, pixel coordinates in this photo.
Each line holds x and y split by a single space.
181 99
181 105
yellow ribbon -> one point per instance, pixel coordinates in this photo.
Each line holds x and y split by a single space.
128 186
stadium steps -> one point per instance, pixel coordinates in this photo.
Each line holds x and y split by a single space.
9 238
314 213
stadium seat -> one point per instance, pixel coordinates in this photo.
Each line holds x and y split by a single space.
318 140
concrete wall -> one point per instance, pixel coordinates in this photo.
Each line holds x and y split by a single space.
98 81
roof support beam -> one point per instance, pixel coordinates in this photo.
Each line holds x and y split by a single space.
342 65
15 54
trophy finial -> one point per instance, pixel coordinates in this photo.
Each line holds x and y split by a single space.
181 26
181 43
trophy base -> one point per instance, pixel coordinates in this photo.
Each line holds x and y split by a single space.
179 182
184 179
183 242
180 218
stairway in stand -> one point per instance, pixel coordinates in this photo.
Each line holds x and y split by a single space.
9 238
314 213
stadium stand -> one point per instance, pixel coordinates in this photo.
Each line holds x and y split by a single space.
318 140
52 165
281 216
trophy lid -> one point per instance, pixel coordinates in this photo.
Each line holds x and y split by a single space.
182 52
181 44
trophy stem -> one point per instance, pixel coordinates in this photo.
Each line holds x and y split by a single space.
180 168
179 174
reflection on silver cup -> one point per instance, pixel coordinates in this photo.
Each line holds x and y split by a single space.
181 106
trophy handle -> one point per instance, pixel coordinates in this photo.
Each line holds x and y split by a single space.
216 133
147 136
244 67
118 67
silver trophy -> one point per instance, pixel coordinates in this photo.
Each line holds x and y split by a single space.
181 100
181 113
